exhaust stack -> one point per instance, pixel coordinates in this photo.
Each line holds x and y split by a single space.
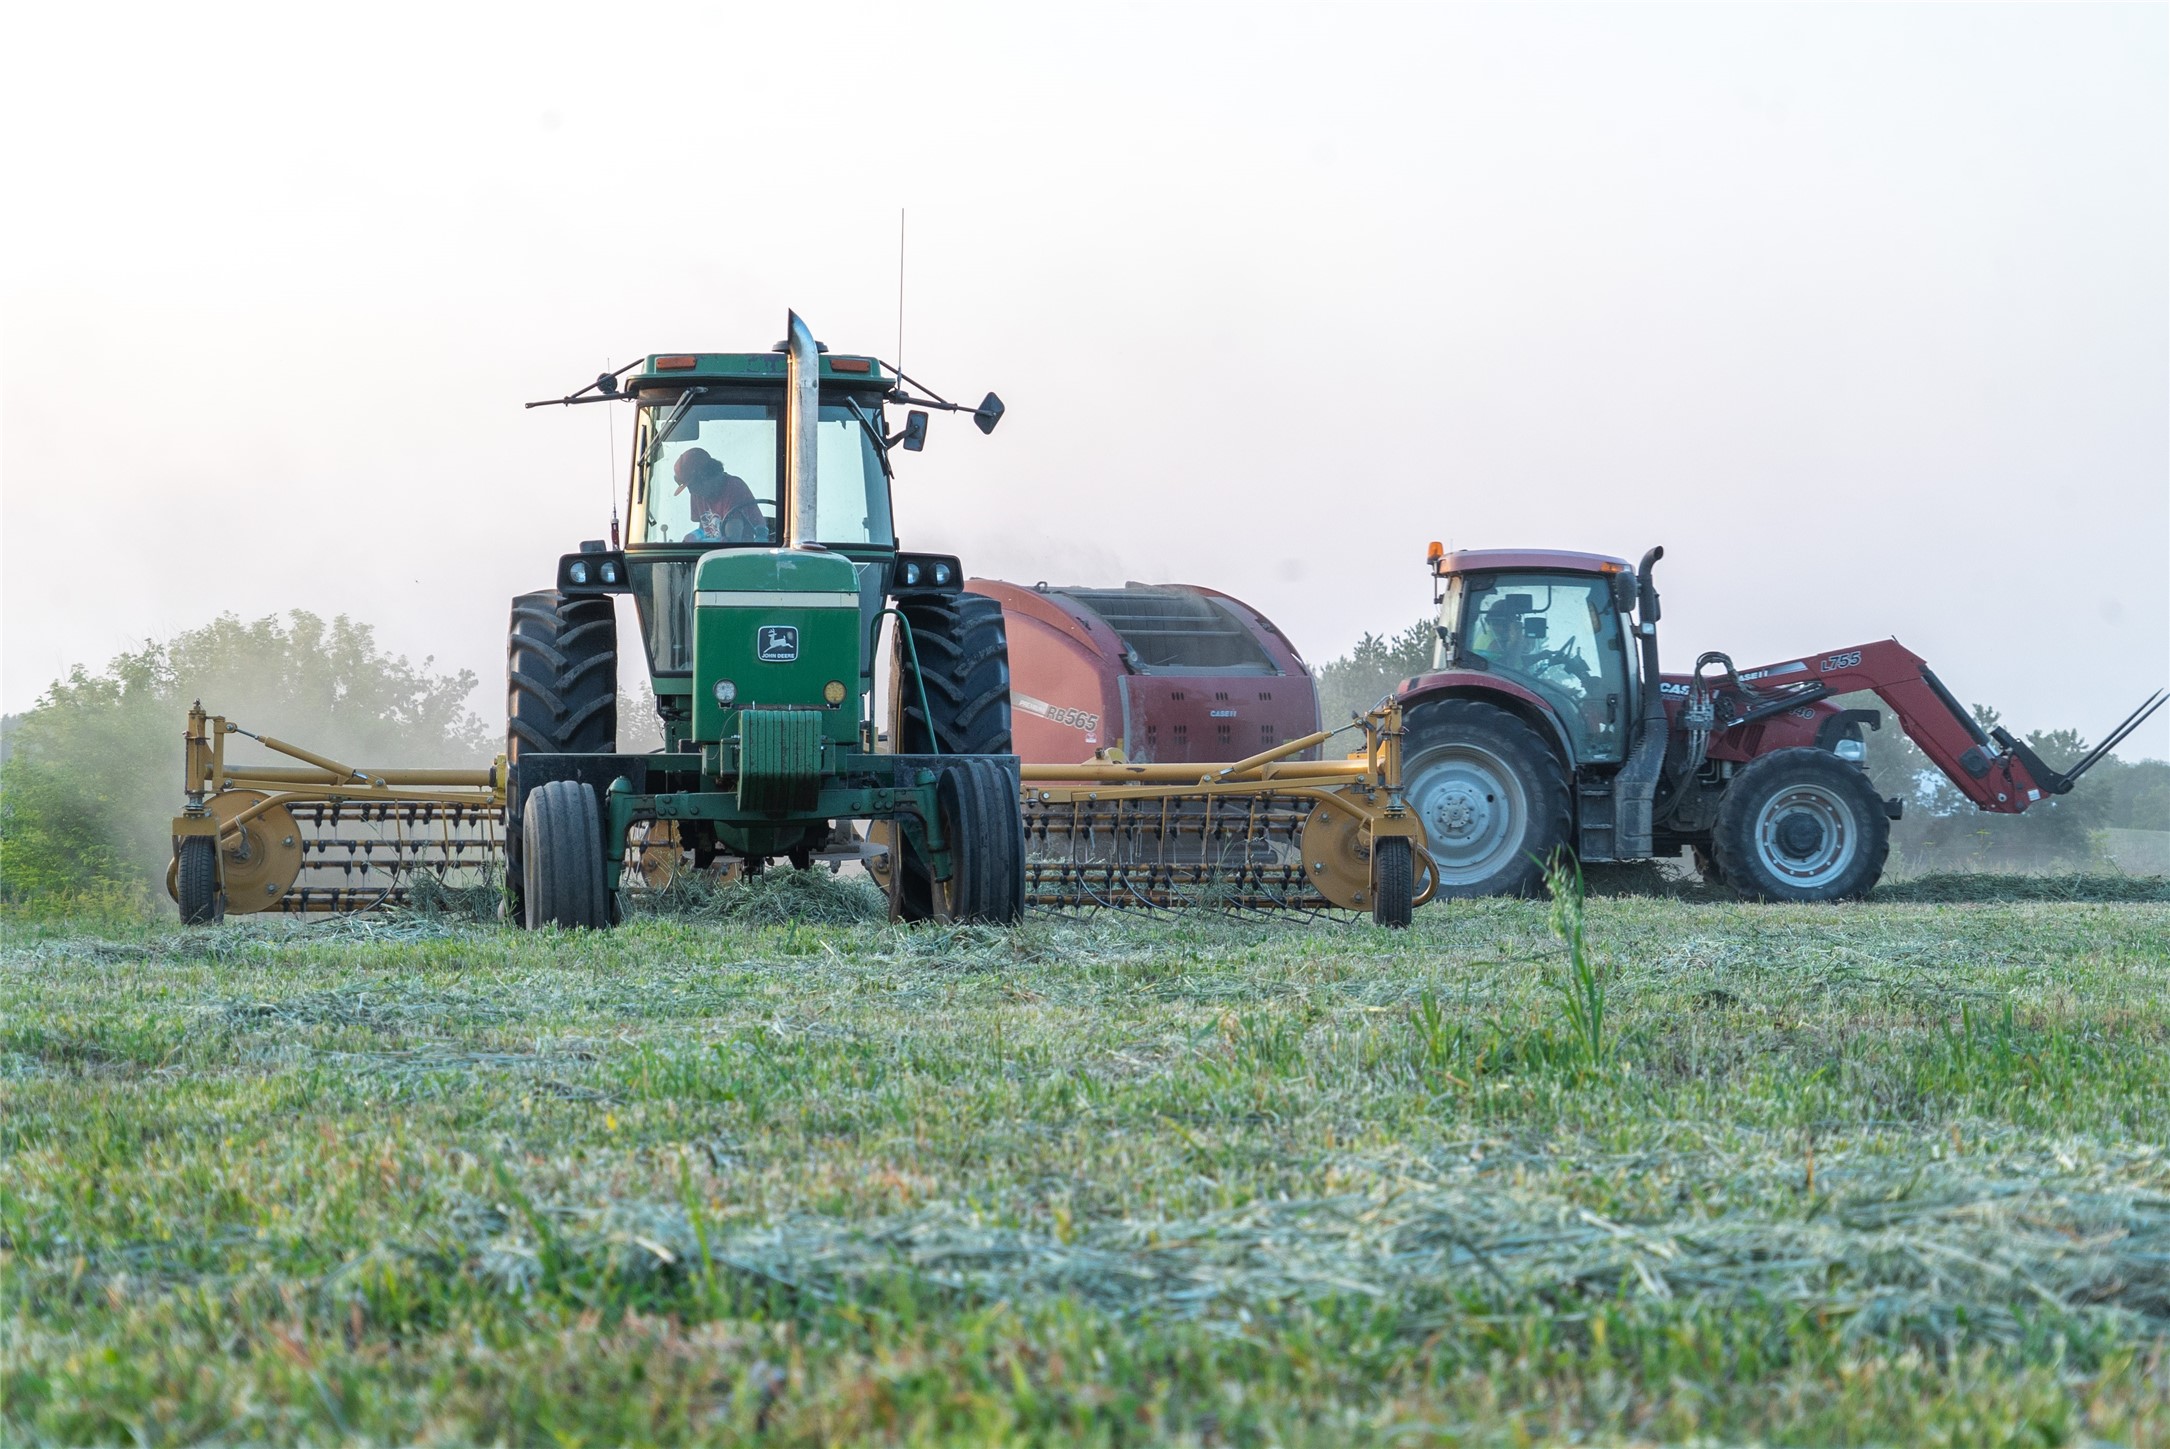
802 436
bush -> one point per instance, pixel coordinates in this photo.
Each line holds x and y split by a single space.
92 774
1355 682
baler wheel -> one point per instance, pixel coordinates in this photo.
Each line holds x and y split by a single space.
1394 883
1801 825
562 858
196 883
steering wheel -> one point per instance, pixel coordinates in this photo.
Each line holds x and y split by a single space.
1568 657
751 522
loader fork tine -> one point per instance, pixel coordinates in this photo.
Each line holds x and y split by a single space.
2118 736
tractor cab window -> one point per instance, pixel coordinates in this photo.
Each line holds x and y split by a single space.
1558 634
715 481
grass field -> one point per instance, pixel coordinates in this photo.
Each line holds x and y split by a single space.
1894 1172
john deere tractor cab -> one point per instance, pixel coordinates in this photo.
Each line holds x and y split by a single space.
763 563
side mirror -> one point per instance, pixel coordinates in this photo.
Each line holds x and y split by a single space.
914 436
1623 592
988 413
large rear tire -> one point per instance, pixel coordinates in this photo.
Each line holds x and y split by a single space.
562 860
561 691
1491 793
196 882
964 661
1801 825
985 832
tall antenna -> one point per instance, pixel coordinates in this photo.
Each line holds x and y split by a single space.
900 292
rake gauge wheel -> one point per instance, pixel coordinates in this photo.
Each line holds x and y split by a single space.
1394 883
196 882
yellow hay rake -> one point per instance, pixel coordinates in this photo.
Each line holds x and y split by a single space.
1269 832
321 835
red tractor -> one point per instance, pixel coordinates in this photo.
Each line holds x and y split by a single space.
1539 727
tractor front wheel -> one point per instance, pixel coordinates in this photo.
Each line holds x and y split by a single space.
1801 825
562 858
985 834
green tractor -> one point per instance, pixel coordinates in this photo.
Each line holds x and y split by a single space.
761 558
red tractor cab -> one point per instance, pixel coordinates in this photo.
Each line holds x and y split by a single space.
1522 737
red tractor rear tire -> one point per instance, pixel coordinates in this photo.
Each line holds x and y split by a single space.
1801 825
1492 794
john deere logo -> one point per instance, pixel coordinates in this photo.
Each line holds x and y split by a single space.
779 644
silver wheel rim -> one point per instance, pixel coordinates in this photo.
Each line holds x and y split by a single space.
1805 836
1474 809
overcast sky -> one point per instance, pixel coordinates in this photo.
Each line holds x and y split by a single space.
1860 311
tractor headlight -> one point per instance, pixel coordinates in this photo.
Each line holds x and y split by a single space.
911 574
610 573
941 573
726 692
833 691
578 573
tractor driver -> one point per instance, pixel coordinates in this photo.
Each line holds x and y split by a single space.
1514 644
1518 644
723 506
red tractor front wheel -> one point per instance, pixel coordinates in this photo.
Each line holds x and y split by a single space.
1801 825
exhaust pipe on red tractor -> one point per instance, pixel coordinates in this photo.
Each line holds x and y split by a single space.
2059 782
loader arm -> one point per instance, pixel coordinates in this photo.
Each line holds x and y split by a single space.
1994 769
